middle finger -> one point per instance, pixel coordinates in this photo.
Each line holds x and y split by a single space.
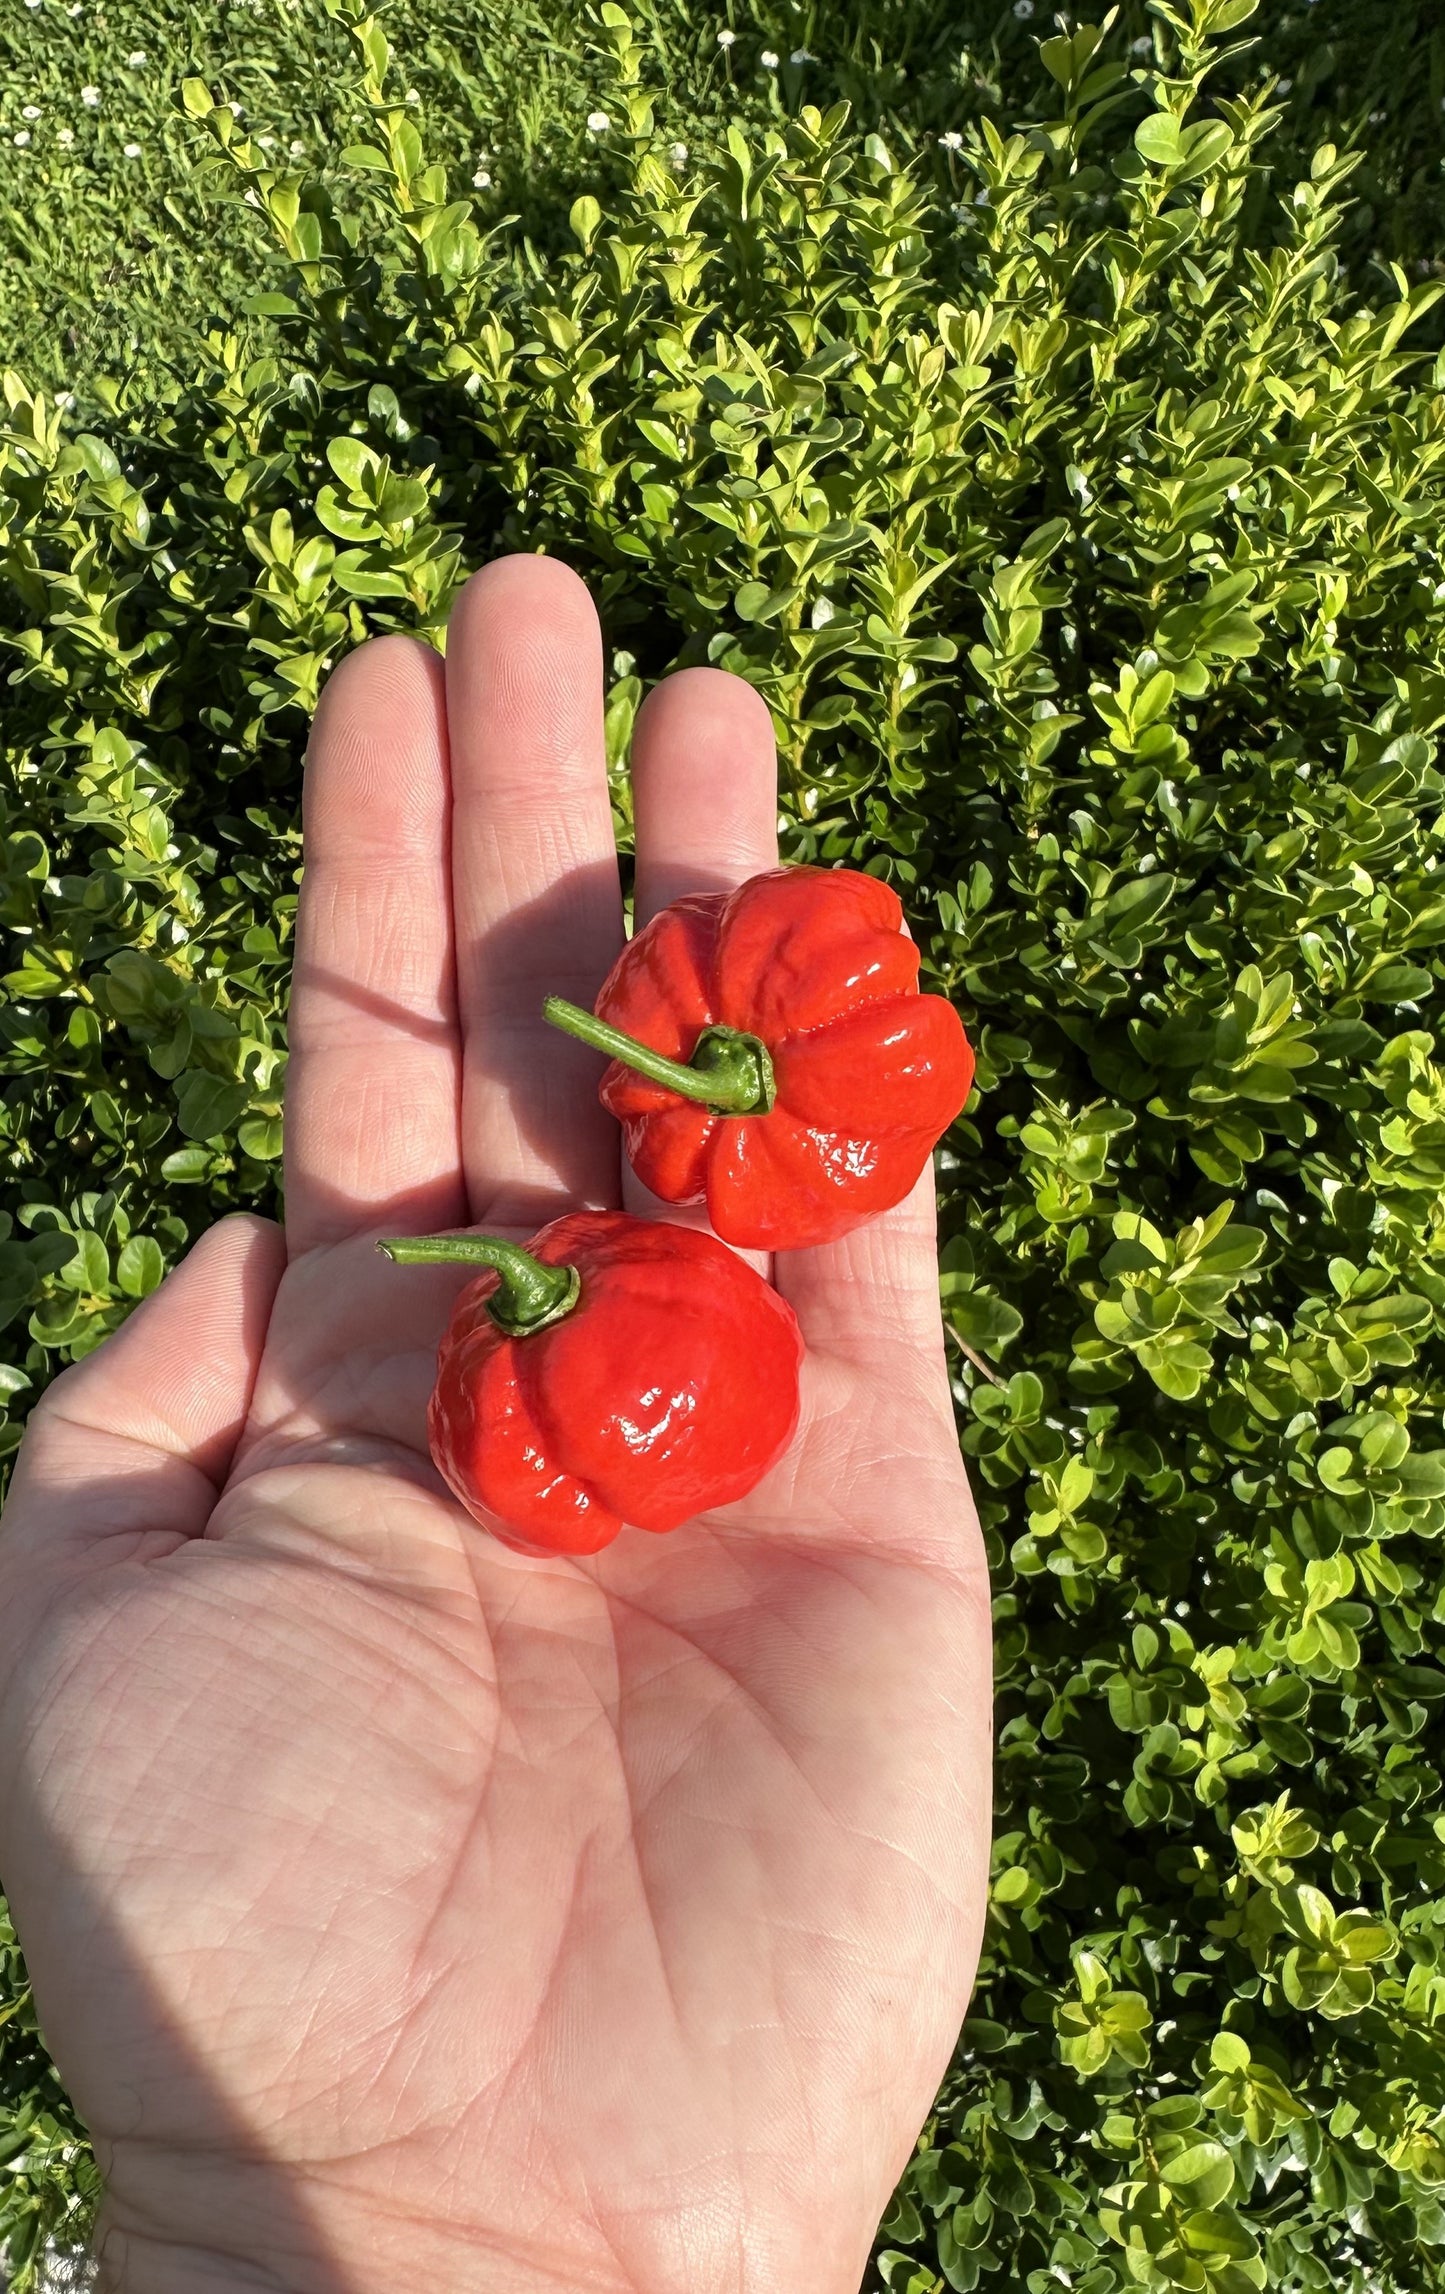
535 887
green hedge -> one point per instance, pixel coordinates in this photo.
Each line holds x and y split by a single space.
1084 534
112 256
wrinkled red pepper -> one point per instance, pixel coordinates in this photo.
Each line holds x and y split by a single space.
613 1371
772 1056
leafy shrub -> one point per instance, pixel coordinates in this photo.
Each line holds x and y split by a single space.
112 259
1085 537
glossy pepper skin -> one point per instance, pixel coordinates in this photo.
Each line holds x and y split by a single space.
859 1074
662 1383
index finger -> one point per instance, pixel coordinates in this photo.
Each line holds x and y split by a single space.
373 1087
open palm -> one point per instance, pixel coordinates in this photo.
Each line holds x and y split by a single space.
396 1903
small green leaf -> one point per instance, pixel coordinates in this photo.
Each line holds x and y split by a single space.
209 1104
187 1166
1158 140
354 462
1218 2230
140 1267
585 219
262 1137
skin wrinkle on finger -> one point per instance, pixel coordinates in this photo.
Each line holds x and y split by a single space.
373 1083
399 669
510 974
882 1300
381 801
395 950
704 784
704 776
535 884
343 993
387 1148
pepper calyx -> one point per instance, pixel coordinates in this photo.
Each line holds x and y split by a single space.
529 1294
730 1071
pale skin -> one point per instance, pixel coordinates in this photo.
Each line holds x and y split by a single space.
403 1910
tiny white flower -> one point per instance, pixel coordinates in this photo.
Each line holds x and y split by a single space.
65 398
30 111
824 611
482 180
726 39
980 198
802 56
298 149
472 385
32 3
1142 47
135 59
598 123
1023 9
90 97
234 109
769 59
678 155
413 95
951 140
131 150
23 137
75 8
1376 118
1283 87
66 136
267 142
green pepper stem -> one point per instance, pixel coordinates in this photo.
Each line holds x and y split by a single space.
528 1296
729 1071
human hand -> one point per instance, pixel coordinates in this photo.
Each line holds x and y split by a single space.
400 1909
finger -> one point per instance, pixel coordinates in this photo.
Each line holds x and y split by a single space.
704 787
863 1297
135 1441
705 809
373 1086
535 887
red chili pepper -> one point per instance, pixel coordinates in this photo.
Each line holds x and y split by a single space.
772 1056
614 1371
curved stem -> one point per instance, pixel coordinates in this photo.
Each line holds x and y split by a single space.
729 1071
528 1296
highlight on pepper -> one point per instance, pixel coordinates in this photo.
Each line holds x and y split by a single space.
771 1055
614 1371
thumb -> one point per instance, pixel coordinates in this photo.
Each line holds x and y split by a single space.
136 1440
